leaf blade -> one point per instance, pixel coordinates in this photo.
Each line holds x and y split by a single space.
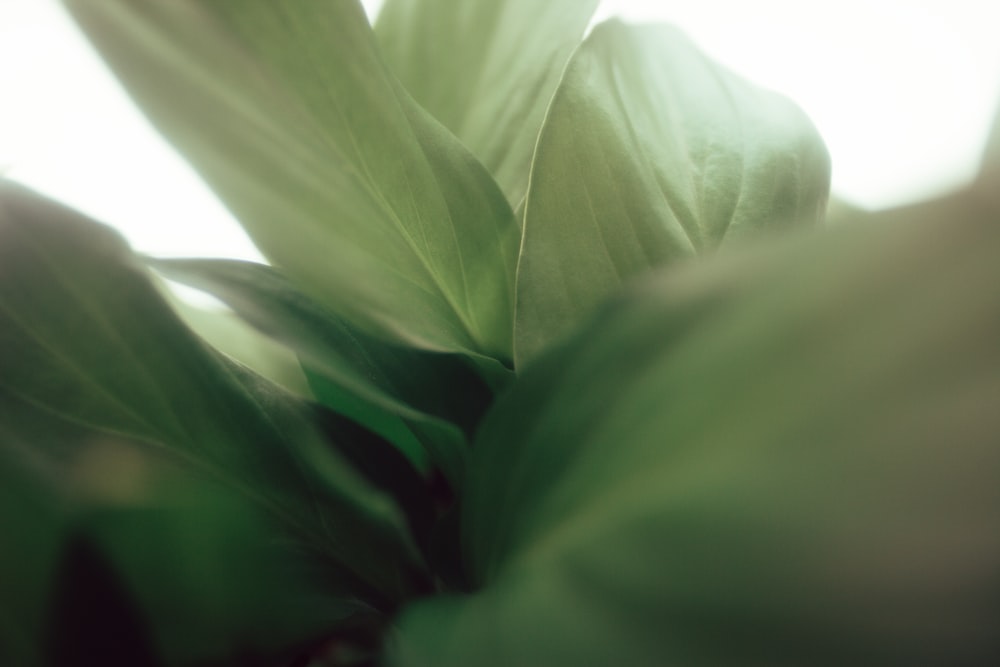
486 70
95 342
650 154
764 459
438 396
202 572
289 114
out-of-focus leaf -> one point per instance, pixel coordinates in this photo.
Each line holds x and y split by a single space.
227 333
486 69
87 336
989 174
788 458
32 527
649 153
395 391
264 300
384 466
288 112
841 211
94 619
113 549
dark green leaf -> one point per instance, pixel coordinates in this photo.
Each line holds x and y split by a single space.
288 112
32 529
788 458
111 545
486 69
385 467
94 619
389 388
650 153
92 340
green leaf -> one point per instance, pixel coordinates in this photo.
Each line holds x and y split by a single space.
651 153
486 69
92 340
990 163
393 390
781 458
32 526
288 112
118 553
94 618
387 469
227 333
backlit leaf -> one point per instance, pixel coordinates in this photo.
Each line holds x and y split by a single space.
486 69
226 332
97 344
287 111
990 164
394 390
651 153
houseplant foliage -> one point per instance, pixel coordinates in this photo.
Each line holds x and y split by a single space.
575 380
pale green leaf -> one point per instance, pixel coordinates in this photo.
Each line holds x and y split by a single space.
781 458
651 153
287 111
226 332
486 69
989 175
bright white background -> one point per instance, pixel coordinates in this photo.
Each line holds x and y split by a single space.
903 91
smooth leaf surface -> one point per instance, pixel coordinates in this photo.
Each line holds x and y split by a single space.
989 174
486 69
32 527
651 153
288 112
117 553
226 332
394 390
782 458
95 619
93 340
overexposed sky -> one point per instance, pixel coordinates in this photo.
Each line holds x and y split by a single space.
903 92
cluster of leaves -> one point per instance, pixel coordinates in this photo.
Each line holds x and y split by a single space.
503 397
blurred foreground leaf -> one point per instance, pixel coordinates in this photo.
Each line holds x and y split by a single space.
91 342
116 553
227 333
784 458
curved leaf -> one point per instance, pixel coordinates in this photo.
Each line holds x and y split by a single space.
114 548
486 69
650 153
788 458
33 528
288 112
86 335
389 388
989 169
227 333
